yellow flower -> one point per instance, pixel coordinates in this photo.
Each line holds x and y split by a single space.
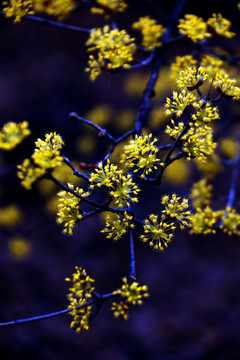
10 216
225 86
204 113
114 49
17 9
194 27
151 32
19 247
58 8
69 212
131 294
231 222
47 152
176 210
157 233
116 226
201 193
104 175
109 7
140 154
191 77
197 142
124 191
182 63
212 65
80 293
229 147
121 187
204 221
13 134
179 102
28 173
220 25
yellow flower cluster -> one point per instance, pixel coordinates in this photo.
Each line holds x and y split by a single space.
212 65
80 293
131 294
229 147
204 113
140 154
181 63
231 222
204 221
69 212
45 158
175 210
226 86
116 225
19 8
121 187
13 134
159 233
179 102
10 216
195 28
191 77
109 7
114 48
151 31
201 193
196 143
19 247
211 167
220 25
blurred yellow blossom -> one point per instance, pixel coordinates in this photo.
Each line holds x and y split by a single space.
151 32
13 134
229 147
19 247
177 173
194 27
109 7
201 193
220 25
10 216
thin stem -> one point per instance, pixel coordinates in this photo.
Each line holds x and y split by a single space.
56 24
232 191
98 298
147 94
66 188
75 171
143 63
102 132
132 256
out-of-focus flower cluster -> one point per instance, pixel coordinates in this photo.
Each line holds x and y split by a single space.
17 9
13 134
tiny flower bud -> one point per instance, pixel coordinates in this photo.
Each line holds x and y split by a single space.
91 167
73 115
102 133
83 166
